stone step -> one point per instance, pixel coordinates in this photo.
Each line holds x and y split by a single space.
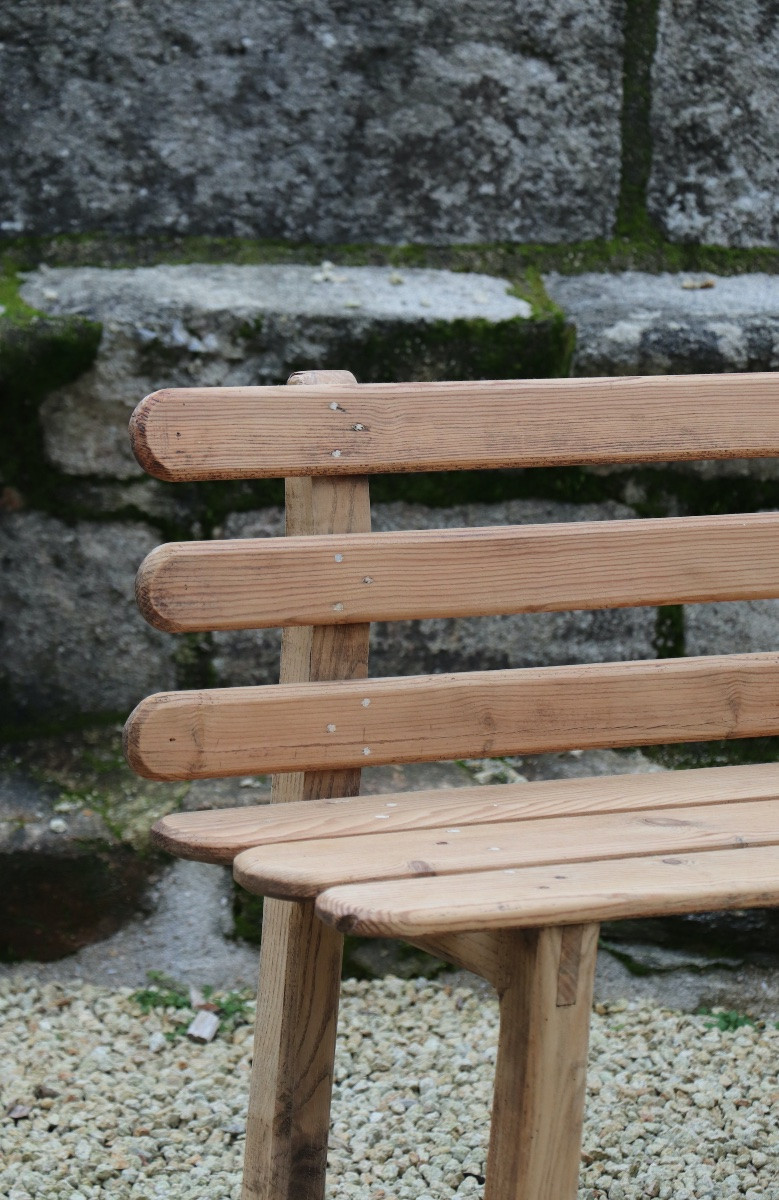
199 325
634 323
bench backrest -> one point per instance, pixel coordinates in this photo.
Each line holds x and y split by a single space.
335 575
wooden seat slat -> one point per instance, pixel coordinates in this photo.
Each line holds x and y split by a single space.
553 895
245 432
327 726
328 580
300 870
219 835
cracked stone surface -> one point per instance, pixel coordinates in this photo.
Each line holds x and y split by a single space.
71 637
324 122
715 122
207 326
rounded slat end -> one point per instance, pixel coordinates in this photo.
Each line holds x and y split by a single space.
142 431
150 590
140 745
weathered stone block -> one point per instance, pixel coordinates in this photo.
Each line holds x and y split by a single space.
409 647
71 638
735 627
715 122
323 122
226 325
635 323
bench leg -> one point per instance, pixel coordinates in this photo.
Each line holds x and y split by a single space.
538 1107
294 1046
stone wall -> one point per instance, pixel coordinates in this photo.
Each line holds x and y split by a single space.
80 514
437 122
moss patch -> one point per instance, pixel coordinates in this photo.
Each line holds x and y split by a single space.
38 354
637 247
89 772
640 34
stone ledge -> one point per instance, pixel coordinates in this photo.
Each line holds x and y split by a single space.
634 323
198 325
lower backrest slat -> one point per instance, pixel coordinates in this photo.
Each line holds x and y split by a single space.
318 726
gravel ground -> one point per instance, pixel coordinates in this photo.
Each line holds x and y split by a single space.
103 1098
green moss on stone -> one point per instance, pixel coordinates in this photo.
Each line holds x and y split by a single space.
637 247
88 769
38 354
640 39
669 631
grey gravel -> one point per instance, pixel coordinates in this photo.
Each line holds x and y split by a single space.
103 1100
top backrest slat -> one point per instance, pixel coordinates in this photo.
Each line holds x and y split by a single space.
272 432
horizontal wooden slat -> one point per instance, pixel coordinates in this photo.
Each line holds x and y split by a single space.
240 433
219 835
553 895
301 870
250 583
325 726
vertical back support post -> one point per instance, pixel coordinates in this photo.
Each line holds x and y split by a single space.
540 1075
300 959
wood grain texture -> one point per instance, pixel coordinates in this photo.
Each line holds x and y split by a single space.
301 870
294 1043
251 433
300 969
252 583
540 1074
219 835
479 951
329 726
551 895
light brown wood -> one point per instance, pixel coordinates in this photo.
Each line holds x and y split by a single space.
300 968
479 951
551 895
251 583
318 726
571 949
540 1075
250 433
219 835
301 870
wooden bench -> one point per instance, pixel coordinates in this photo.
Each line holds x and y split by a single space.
509 880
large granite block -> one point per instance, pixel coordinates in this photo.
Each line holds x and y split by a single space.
323 121
715 122
71 638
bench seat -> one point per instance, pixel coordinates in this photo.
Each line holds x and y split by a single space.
457 859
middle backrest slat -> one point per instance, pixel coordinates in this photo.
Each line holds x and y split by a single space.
323 726
328 580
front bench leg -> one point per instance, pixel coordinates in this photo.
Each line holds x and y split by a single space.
294 1048
540 1077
